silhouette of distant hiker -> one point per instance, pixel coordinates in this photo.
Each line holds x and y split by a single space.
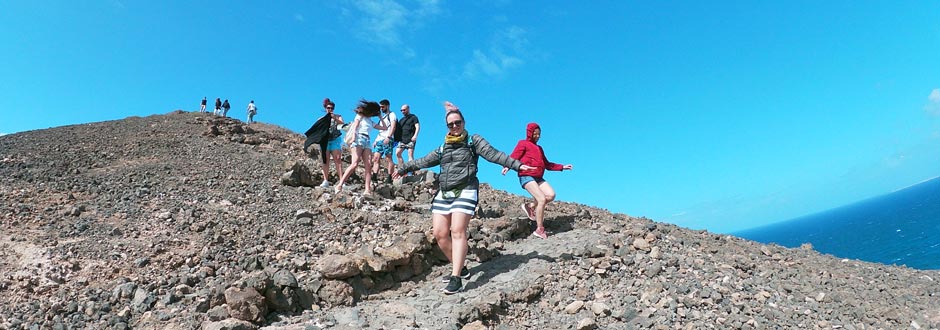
225 107
202 107
252 111
218 106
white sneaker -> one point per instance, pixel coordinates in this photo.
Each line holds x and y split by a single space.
325 184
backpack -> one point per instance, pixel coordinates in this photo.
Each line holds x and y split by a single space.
396 135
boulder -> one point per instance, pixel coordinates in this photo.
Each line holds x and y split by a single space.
229 324
338 267
245 304
336 293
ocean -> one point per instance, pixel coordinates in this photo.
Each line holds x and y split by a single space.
899 228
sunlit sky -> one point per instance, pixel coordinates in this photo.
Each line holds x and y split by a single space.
718 115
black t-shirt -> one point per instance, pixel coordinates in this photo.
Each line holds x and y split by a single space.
407 124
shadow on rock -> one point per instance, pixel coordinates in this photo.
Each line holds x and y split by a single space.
501 265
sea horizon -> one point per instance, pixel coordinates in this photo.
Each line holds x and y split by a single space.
898 228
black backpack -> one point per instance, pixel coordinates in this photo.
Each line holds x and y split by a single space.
396 135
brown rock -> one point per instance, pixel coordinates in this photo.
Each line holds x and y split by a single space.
245 304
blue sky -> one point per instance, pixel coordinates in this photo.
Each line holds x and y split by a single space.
710 115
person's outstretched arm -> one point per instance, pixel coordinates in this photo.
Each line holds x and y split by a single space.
484 149
430 160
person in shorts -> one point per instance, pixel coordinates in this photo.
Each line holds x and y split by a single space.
530 153
359 145
409 127
384 144
456 199
332 148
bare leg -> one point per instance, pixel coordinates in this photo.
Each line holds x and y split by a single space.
366 165
376 157
337 161
398 155
357 151
543 194
441 230
391 165
458 236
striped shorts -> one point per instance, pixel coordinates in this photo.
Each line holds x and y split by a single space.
466 202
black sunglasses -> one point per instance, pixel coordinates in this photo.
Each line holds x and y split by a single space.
455 123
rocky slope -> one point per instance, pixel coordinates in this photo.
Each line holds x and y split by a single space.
189 221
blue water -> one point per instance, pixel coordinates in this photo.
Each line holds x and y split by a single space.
900 228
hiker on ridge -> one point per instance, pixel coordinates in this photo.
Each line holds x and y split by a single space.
252 111
225 107
530 153
218 106
456 199
202 107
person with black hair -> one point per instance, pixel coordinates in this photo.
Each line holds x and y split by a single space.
359 146
384 144
202 106
456 199
225 107
218 106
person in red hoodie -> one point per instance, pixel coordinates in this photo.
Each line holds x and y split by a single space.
530 153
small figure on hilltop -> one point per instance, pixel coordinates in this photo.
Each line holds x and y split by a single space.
357 137
252 111
407 133
325 133
384 144
202 107
225 107
530 153
456 200
218 106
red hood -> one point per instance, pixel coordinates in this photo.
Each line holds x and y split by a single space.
529 130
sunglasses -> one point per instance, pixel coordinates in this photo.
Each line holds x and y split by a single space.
455 123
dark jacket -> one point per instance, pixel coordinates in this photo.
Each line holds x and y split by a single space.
458 162
319 132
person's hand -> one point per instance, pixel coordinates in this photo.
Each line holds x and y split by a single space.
527 168
385 140
567 167
505 169
395 175
414 139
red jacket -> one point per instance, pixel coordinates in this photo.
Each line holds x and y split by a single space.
532 154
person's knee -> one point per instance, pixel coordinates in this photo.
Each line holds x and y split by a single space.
442 235
458 234
549 197
541 199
